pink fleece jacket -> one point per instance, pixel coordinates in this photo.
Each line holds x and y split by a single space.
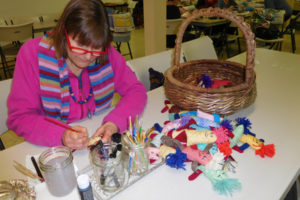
25 110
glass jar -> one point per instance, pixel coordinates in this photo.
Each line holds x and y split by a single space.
108 170
136 159
57 167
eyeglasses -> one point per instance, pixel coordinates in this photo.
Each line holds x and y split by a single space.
81 51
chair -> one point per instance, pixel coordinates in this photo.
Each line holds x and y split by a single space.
232 35
45 23
216 29
232 38
173 25
131 5
50 17
121 26
5 86
172 28
291 29
118 38
3 22
200 48
8 138
4 91
273 26
13 35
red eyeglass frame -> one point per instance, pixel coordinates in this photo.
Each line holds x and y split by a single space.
84 50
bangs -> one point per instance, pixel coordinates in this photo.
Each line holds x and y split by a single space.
93 38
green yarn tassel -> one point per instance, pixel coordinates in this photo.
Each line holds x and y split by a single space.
237 132
227 186
221 183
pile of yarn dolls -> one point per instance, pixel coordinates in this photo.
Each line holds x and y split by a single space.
206 140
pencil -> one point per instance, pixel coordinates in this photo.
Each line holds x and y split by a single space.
61 124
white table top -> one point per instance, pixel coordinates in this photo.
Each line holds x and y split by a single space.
274 118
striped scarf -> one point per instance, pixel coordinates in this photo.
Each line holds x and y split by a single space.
54 83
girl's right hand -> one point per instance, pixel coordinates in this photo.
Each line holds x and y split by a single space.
76 140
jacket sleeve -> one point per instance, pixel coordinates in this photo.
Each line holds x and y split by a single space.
25 112
133 93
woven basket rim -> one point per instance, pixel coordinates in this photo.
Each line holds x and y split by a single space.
173 80
239 22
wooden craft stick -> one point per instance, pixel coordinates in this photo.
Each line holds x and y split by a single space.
24 170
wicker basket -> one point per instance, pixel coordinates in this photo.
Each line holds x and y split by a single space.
181 87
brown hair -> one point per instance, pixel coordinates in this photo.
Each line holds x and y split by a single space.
85 19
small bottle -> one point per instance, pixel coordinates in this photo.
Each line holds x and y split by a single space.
84 187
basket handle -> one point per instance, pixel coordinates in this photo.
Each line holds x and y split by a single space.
224 13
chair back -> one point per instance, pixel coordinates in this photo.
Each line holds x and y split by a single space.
293 21
3 22
50 17
4 91
121 22
190 7
200 48
173 25
131 4
16 32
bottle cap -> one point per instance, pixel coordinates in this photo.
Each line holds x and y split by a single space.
83 181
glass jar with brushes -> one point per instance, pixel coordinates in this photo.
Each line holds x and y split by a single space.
106 159
135 157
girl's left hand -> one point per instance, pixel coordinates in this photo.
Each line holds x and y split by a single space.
106 131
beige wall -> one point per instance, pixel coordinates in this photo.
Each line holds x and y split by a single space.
155 26
19 8
297 5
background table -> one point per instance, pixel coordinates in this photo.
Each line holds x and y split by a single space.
208 22
274 117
